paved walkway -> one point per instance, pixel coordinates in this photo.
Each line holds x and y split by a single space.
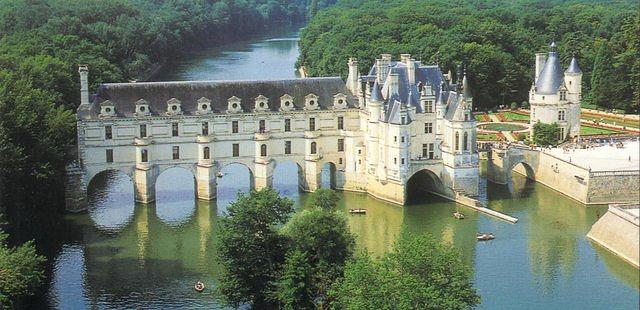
603 158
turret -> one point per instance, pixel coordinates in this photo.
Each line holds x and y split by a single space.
573 77
375 103
441 104
84 84
354 76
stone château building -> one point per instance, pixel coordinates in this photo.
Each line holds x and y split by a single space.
555 96
403 123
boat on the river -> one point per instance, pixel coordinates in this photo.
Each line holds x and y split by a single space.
219 174
199 287
484 236
357 211
458 215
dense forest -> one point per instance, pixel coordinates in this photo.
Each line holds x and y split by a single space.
43 41
495 40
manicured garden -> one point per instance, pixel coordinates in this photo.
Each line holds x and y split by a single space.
611 120
586 130
486 136
503 127
514 117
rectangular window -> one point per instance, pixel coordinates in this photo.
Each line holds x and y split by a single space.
402 160
262 126
144 156
109 155
340 122
561 115
143 131
431 151
340 145
205 128
395 138
428 127
425 150
287 147
402 139
287 124
403 120
174 129
176 152
428 106
236 150
108 132
234 127
395 160
339 161
312 124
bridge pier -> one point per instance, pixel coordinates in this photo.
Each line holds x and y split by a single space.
263 174
206 181
312 175
145 183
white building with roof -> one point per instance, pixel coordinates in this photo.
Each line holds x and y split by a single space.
555 96
403 128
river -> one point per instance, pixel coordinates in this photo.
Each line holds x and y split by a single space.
123 255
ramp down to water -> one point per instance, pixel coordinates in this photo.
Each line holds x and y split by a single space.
480 207
619 232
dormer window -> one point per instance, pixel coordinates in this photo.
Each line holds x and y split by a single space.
311 102
286 103
204 105
563 95
107 109
233 105
142 108
262 104
339 101
428 106
174 107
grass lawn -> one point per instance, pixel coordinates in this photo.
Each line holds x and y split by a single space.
487 136
479 117
503 127
515 117
593 131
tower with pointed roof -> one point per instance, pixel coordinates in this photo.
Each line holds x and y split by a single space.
555 95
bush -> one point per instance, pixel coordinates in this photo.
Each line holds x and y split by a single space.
522 136
545 134
524 105
514 105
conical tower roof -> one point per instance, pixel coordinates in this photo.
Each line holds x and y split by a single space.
573 66
551 76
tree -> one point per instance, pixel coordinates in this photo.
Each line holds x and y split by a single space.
604 87
21 270
545 134
514 105
294 288
323 238
250 248
419 273
324 198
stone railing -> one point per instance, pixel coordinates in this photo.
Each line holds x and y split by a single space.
615 173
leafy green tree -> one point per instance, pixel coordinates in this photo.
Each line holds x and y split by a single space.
419 273
21 270
323 238
294 288
604 87
545 134
250 248
324 198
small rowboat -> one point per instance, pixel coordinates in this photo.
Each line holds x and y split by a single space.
484 236
458 215
357 211
219 174
199 287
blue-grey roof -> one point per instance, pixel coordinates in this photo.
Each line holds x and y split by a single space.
376 95
551 76
573 66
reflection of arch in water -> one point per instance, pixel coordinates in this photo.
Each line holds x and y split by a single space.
421 184
111 200
288 177
175 195
328 175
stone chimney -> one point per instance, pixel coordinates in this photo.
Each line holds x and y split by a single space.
541 58
352 79
84 84
394 83
383 68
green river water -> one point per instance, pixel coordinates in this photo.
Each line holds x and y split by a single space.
123 255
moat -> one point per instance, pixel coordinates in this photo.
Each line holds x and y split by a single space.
123 255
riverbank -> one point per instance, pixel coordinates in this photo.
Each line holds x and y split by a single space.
618 231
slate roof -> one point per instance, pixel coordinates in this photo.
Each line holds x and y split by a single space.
124 95
551 76
573 66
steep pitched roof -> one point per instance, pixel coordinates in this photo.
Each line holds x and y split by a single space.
124 95
550 77
573 66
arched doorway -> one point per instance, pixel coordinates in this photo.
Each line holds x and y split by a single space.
422 186
234 178
175 196
328 175
111 201
288 178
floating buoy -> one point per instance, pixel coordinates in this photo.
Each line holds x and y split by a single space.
199 287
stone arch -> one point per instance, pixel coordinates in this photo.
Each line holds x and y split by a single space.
230 180
527 170
278 174
175 205
111 199
422 182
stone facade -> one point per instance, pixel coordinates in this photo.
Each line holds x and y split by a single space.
619 232
555 96
376 131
